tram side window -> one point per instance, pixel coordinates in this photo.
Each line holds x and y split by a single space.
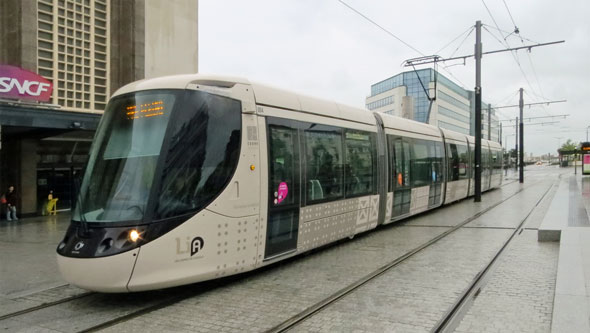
485 161
359 170
324 165
400 153
437 161
497 156
400 180
406 158
472 164
463 161
453 168
282 164
421 163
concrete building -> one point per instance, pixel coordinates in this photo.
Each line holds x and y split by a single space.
403 95
85 49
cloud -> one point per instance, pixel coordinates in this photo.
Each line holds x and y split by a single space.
322 48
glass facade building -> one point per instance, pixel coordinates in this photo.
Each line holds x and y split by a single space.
453 108
414 89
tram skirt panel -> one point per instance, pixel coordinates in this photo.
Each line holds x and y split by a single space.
328 222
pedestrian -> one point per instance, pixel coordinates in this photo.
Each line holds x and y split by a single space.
11 200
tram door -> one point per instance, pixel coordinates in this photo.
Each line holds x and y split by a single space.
283 192
401 175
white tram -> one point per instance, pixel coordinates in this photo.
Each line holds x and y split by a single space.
197 177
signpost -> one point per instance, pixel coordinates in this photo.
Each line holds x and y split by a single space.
17 83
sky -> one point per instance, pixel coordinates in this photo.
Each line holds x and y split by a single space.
324 49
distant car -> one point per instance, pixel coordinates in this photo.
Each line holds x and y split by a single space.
539 163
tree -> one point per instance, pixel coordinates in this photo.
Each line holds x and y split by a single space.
569 145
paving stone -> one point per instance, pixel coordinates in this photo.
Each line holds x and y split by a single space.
416 294
412 298
519 295
28 260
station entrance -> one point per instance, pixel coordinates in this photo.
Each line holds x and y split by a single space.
42 149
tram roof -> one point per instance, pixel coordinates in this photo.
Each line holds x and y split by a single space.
263 94
280 98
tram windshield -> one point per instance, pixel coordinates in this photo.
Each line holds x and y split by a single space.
159 154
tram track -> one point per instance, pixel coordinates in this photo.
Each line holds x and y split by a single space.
318 306
114 308
455 313
176 295
314 308
295 320
45 304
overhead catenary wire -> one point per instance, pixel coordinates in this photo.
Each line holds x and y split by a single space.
380 27
517 32
541 104
510 14
504 101
541 117
536 98
490 13
470 30
462 42
514 56
446 68
392 35
514 53
506 32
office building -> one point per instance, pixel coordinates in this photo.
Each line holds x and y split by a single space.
60 61
404 95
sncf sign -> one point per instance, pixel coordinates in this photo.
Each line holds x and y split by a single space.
18 83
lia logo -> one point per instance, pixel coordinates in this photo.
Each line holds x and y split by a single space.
196 245
189 246
79 246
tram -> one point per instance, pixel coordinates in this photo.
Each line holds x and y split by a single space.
196 177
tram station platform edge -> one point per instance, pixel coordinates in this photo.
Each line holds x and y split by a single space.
567 221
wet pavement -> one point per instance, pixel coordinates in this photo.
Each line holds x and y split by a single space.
28 258
412 297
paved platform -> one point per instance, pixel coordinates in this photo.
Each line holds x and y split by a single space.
27 254
534 287
572 292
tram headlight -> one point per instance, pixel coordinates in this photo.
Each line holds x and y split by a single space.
134 235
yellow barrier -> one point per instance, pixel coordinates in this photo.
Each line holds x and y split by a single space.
52 206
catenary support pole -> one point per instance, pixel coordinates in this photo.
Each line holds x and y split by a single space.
490 122
478 50
516 145
521 136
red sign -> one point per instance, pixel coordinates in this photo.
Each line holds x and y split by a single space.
18 83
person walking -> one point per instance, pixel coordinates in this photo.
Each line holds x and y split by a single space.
11 200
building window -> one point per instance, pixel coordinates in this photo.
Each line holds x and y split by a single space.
70 33
380 103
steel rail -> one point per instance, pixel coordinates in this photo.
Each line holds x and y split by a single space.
449 320
47 304
319 306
